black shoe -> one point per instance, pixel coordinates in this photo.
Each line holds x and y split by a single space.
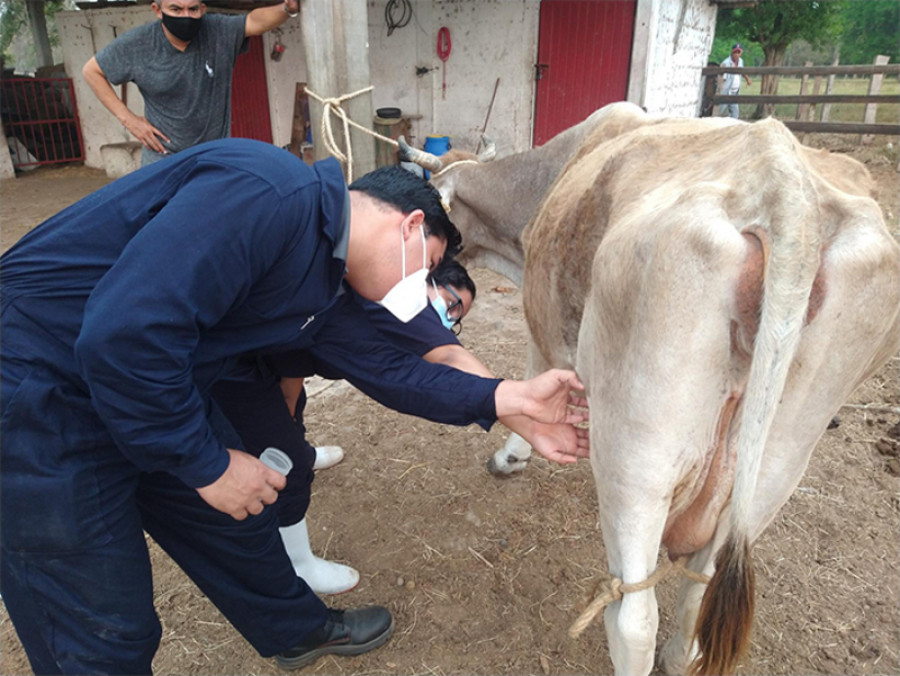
346 632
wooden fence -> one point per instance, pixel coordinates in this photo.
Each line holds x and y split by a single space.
806 103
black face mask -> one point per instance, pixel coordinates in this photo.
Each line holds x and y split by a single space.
182 27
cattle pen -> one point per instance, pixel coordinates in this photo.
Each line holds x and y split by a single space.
805 120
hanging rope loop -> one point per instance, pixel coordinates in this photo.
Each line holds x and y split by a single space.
333 107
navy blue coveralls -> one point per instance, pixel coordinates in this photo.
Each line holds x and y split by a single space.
253 402
117 315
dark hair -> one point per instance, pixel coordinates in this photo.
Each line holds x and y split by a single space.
450 272
407 192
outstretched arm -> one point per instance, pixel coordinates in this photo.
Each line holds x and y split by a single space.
560 442
266 18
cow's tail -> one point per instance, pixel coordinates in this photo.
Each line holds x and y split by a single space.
791 263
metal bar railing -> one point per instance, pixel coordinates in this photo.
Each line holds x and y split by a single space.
40 119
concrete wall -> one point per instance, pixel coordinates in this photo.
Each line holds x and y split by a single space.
83 34
490 39
6 165
672 42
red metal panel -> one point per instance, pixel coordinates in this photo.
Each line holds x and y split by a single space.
584 52
250 95
40 118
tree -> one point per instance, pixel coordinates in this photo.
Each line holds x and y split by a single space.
774 24
16 15
868 29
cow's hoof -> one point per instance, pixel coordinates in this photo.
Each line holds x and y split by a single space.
676 658
507 466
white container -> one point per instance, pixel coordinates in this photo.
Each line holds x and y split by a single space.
277 460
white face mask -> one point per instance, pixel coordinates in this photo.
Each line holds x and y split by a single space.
409 296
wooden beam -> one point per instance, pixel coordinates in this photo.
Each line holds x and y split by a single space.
336 42
888 69
808 98
874 88
842 127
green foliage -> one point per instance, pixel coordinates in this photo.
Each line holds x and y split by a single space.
869 28
14 22
861 29
12 19
774 24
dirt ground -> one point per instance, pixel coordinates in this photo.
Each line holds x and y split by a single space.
484 576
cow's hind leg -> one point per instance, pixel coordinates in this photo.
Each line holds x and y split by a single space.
631 624
680 650
516 452
853 330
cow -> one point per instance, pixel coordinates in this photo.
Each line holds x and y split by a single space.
721 290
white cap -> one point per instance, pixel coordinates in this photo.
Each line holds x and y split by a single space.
277 460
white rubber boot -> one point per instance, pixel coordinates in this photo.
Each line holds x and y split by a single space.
328 456
323 577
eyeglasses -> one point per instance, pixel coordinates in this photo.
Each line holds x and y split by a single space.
454 310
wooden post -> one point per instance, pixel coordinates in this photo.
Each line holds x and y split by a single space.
817 85
804 83
874 88
829 86
336 39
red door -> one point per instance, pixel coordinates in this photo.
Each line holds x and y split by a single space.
250 95
584 52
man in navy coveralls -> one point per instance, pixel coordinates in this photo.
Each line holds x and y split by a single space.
117 316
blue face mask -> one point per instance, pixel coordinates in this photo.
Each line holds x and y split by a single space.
440 306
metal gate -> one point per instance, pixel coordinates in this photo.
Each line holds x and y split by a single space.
584 55
40 120
250 95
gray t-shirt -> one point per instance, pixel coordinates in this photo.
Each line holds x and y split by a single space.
187 95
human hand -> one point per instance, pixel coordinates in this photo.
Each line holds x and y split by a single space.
292 7
245 488
146 133
547 398
560 442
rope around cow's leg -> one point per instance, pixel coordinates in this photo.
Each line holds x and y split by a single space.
617 589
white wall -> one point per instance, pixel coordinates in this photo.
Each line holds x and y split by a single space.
672 42
490 39
83 34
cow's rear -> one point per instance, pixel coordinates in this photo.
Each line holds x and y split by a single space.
721 298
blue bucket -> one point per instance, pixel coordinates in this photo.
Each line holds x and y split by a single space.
436 145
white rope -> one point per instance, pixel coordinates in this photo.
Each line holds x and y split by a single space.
453 164
616 589
332 106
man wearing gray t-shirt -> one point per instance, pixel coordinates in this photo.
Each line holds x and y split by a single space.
182 65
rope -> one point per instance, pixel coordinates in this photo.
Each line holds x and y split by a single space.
616 589
332 106
453 164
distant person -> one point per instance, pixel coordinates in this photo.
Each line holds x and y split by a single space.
731 84
182 65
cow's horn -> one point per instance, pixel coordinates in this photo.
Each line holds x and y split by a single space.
490 150
420 157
